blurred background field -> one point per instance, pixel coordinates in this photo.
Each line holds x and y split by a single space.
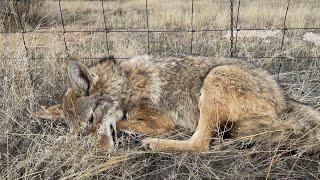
33 74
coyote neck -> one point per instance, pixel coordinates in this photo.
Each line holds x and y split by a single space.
112 84
138 87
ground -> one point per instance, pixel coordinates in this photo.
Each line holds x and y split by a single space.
33 148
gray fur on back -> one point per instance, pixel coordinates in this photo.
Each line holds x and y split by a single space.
175 84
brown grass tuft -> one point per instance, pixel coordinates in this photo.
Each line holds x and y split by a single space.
32 14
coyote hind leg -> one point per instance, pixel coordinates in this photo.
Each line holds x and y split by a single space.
212 111
199 141
229 94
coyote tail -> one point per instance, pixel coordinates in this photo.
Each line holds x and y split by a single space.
297 129
305 126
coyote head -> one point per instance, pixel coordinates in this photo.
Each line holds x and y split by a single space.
84 108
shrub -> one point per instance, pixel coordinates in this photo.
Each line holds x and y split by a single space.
31 13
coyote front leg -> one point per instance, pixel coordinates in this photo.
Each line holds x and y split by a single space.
146 120
142 119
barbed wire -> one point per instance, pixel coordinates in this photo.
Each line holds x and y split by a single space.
231 28
159 31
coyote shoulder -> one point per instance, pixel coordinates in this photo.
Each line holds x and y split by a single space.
201 94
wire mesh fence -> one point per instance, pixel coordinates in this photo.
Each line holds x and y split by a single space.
234 30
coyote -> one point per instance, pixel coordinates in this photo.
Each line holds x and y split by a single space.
199 94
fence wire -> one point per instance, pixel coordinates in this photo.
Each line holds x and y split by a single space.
105 26
64 29
284 30
21 26
233 29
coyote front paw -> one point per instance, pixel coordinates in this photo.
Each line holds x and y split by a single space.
151 143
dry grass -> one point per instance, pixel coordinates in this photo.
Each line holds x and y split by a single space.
31 148
16 15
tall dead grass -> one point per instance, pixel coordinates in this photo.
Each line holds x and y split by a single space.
18 15
38 149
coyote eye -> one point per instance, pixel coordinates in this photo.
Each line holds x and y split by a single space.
91 119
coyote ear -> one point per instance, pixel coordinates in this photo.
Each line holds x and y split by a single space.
52 112
80 76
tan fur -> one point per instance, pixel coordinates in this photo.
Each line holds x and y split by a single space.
197 93
146 120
